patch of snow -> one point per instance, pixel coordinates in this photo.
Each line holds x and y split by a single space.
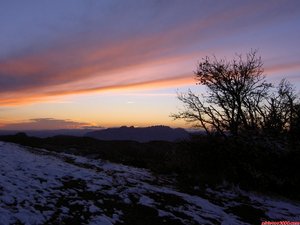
103 220
144 200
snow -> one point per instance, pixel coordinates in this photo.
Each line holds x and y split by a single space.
38 187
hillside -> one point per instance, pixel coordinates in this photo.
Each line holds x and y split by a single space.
48 133
141 134
41 187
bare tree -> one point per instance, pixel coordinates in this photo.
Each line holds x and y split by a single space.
236 93
294 130
281 112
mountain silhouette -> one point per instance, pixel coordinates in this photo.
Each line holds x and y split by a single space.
141 134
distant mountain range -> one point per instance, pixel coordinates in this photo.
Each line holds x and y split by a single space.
141 134
48 133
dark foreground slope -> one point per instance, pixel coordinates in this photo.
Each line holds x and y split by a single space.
255 165
46 187
147 155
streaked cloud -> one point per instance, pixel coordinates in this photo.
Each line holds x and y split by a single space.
16 99
45 123
93 56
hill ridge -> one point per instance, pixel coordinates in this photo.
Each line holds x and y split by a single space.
141 134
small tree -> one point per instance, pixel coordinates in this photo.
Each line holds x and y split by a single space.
281 113
295 123
238 98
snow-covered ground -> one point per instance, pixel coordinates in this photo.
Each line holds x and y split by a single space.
41 187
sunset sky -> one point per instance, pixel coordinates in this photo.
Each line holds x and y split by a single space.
86 63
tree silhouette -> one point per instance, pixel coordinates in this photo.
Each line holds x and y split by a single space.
281 110
238 98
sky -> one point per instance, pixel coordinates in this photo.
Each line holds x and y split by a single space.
87 63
